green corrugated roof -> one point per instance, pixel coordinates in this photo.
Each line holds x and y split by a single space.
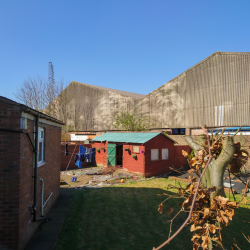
126 137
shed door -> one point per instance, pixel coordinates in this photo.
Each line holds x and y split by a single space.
111 154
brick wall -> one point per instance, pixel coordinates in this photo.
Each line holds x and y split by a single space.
9 177
49 172
134 164
16 173
101 157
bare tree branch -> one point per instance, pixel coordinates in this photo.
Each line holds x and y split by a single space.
194 198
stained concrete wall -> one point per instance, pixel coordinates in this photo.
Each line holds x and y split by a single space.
215 92
86 107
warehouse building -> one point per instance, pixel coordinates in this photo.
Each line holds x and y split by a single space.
214 92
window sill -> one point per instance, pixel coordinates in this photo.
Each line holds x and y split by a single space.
40 164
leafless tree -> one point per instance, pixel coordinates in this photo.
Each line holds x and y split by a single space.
38 93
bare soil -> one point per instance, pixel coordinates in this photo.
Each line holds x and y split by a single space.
93 176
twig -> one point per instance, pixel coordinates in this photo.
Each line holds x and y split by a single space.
230 185
238 178
246 237
194 198
171 223
236 246
244 191
237 132
176 170
221 134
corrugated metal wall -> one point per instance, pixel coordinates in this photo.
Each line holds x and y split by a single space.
214 92
91 108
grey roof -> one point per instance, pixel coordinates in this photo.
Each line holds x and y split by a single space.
27 109
121 92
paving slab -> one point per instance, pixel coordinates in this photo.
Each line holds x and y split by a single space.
46 235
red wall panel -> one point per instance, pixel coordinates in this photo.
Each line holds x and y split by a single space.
131 164
101 157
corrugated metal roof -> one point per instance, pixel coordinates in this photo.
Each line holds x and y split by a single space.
127 137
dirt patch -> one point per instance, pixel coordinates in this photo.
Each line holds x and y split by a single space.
97 176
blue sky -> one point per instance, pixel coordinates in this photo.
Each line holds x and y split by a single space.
130 45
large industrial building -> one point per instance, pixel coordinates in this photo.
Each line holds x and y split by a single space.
214 92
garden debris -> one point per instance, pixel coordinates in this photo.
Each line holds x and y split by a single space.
97 177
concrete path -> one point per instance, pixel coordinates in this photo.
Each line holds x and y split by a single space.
47 233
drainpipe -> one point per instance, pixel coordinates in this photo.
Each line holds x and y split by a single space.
42 195
43 205
35 169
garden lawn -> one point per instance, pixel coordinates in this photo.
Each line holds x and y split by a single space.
126 217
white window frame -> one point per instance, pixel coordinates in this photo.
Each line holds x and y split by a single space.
153 154
41 140
163 154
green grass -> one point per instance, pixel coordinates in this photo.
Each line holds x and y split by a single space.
126 217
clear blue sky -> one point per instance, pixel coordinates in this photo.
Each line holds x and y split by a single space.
131 45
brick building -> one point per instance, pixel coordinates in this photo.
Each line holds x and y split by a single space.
29 171
147 153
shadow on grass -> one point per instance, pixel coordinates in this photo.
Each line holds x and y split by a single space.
127 218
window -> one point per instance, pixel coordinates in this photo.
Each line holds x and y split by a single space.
136 149
23 123
154 154
40 146
164 153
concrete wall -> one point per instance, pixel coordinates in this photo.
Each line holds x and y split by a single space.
214 92
87 107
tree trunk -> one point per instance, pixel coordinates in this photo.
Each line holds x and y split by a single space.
213 177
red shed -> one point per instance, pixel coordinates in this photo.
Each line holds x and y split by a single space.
147 153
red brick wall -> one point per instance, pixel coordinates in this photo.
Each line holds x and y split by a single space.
16 171
9 177
49 172
159 166
101 157
131 164
65 160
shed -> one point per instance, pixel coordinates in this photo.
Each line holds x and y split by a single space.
30 145
151 153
